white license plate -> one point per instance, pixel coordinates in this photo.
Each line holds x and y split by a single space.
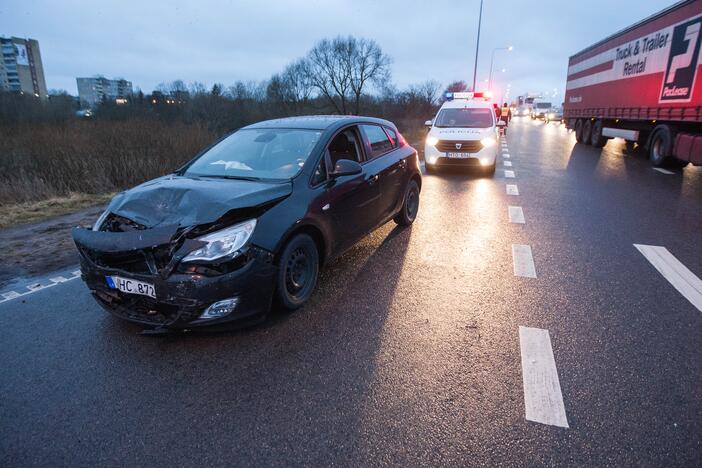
131 286
458 155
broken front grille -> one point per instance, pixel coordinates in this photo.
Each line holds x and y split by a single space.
453 146
146 310
143 261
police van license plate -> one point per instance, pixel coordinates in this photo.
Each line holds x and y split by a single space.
458 155
131 286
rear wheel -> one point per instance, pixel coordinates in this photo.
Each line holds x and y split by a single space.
661 146
579 130
596 138
410 205
298 268
587 131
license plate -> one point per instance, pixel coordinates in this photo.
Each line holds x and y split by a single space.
131 286
458 155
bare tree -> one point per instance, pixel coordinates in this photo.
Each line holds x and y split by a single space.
341 68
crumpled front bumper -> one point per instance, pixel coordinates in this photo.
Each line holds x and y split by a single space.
182 297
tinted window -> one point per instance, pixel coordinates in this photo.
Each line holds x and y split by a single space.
379 141
320 174
466 117
344 146
392 135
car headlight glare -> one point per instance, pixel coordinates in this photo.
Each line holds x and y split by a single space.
550 116
223 243
100 220
488 142
432 140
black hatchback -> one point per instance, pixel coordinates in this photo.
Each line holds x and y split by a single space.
249 221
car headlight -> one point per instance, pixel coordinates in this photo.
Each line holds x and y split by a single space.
432 140
550 116
222 243
488 142
100 220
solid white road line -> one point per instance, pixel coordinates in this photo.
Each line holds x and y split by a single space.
512 189
543 399
663 171
32 288
523 261
508 163
677 274
509 174
516 214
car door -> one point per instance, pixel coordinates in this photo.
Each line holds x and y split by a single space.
390 166
351 201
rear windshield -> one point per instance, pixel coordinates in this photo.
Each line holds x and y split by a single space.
465 118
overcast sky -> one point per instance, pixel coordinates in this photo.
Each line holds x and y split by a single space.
154 41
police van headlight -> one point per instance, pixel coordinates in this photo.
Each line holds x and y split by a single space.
432 140
488 142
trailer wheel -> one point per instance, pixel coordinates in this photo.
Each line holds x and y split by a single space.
579 130
596 139
661 146
587 131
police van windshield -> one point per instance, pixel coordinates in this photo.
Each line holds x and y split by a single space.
464 118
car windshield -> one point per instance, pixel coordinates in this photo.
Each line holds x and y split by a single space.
257 154
543 105
466 117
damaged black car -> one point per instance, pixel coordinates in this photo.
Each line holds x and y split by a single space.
249 221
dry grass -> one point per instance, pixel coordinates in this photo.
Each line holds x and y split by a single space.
29 212
42 161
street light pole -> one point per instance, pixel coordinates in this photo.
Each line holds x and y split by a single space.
492 60
477 45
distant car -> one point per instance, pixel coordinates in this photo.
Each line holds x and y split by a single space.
84 113
464 133
250 220
540 110
554 115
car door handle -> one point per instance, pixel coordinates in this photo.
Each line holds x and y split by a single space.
403 163
373 179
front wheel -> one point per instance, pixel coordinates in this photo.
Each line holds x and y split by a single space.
298 269
410 205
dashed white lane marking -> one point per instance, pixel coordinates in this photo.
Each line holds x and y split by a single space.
523 261
32 288
512 189
516 214
508 163
509 174
506 155
677 274
543 400
663 171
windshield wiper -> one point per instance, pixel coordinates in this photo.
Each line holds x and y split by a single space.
232 177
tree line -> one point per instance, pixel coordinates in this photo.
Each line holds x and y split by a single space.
343 75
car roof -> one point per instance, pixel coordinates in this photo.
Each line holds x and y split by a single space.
318 122
467 103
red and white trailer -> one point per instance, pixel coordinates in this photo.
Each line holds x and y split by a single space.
643 84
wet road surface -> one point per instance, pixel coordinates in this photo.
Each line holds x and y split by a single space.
500 329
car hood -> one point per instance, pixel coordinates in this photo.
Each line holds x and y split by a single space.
190 201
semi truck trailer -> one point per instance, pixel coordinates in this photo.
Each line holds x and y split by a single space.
641 84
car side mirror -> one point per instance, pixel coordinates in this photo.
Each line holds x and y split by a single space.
428 123
501 123
346 167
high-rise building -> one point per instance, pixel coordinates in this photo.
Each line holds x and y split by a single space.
94 90
21 69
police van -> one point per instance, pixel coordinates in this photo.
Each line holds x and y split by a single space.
464 133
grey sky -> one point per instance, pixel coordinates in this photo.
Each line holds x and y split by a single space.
155 41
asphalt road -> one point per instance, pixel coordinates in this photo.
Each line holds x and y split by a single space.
411 350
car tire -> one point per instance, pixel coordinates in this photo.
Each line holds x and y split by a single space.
579 130
298 269
596 138
410 205
661 146
587 131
